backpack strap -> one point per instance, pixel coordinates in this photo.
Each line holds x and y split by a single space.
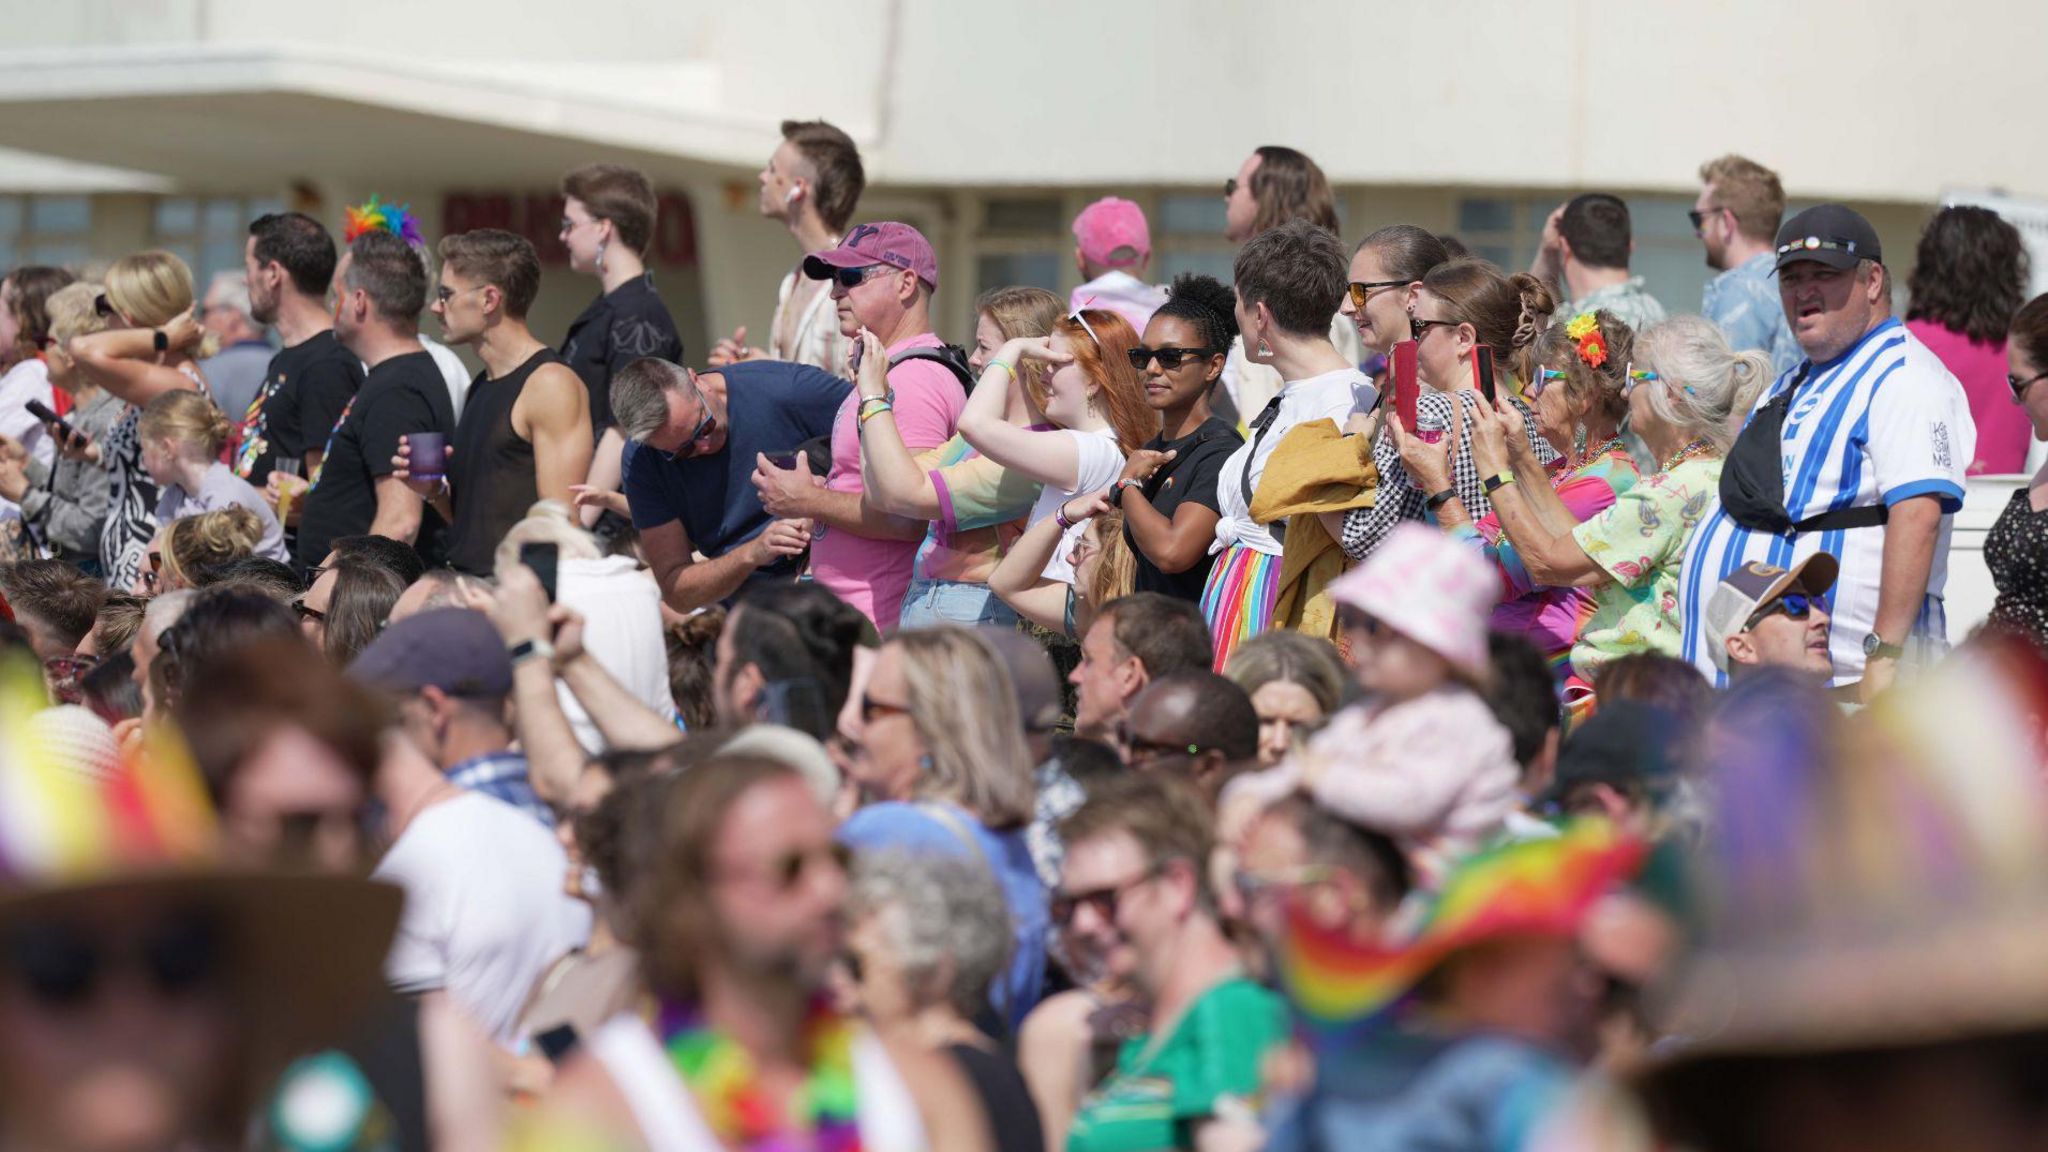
950 356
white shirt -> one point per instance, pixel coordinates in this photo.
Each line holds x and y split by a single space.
1884 422
453 370
1099 460
485 913
1122 293
26 381
1325 397
622 630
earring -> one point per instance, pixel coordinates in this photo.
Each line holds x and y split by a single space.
1265 349
600 255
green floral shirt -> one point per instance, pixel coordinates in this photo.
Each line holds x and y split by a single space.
1163 1087
1640 542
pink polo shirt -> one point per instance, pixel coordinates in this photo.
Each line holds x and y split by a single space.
2003 431
873 575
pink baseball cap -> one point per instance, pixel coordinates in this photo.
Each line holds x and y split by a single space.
897 245
1112 233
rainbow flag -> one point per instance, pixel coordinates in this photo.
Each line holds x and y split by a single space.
1530 887
377 216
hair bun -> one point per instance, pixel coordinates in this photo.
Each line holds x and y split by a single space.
1538 303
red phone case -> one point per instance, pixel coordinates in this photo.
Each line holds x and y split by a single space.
1402 378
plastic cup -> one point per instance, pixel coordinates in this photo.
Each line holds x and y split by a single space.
429 455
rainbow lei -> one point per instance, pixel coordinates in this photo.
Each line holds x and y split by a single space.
377 216
721 1075
1585 332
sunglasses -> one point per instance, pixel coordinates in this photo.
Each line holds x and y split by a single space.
1699 218
2019 387
1139 750
1635 376
306 613
851 278
789 869
688 448
1230 188
1103 900
1077 318
1169 358
63 966
1362 290
1253 885
1794 605
1541 379
871 709
103 307
443 294
1418 328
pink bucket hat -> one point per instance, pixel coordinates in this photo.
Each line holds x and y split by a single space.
1112 233
1429 588
897 245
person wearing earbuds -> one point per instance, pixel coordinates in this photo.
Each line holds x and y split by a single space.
608 215
524 434
810 186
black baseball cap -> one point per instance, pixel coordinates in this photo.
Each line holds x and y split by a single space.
1832 234
1626 742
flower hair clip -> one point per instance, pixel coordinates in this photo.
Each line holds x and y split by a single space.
1584 331
377 216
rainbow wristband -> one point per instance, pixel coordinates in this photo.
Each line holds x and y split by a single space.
1004 365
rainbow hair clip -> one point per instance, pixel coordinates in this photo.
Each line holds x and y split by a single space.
377 216
1585 333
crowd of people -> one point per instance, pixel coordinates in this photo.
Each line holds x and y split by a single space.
1386 701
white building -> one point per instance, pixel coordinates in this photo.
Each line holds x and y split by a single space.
171 122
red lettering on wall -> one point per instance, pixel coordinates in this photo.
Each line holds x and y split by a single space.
537 216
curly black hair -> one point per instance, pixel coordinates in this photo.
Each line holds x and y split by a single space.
1969 274
1207 303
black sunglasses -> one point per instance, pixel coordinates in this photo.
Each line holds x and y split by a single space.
789 869
1230 188
1699 218
62 966
688 447
1169 358
1417 327
1362 290
1104 900
2019 387
851 278
103 307
1138 750
1795 606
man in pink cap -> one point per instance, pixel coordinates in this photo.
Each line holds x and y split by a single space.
1113 248
883 276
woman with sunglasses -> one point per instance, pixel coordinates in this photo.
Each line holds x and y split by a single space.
1459 306
1090 395
1683 387
25 328
1578 379
152 345
976 506
65 503
347 604
2016 551
1168 488
943 768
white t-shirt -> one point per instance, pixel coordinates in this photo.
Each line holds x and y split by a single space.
621 608
1329 396
26 381
485 914
1099 460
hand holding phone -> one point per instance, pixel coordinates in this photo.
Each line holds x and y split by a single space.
542 558
43 412
1482 372
1403 376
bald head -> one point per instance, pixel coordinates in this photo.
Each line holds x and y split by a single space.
1194 723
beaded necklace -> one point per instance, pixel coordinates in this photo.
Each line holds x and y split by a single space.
1698 446
723 1078
1613 445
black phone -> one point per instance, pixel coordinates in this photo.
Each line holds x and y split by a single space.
557 1042
854 354
47 415
1482 372
541 558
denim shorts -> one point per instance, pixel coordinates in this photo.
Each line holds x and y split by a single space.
930 602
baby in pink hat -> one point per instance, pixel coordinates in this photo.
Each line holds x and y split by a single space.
1422 757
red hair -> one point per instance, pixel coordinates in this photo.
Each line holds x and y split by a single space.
1107 365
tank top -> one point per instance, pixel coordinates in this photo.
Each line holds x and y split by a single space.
668 1116
491 475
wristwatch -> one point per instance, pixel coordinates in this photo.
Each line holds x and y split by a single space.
1439 499
1126 484
1876 649
527 649
162 341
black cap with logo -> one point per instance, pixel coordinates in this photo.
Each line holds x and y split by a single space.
1831 234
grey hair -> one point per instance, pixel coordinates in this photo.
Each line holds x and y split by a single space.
932 909
1710 386
165 610
233 287
640 395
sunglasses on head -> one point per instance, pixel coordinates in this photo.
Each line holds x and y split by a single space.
1793 605
1169 358
1077 318
63 966
1362 290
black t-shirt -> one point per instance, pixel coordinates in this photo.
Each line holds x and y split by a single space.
1190 475
302 397
773 406
401 396
619 327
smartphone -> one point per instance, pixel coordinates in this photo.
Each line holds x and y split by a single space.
1402 378
541 558
853 356
784 460
43 412
1482 373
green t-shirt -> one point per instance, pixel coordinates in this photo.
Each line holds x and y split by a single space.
1161 1088
1640 540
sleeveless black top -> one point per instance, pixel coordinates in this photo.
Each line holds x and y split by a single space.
491 475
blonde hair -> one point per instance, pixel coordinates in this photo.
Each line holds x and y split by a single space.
965 708
1116 569
546 522
154 288
1706 381
1749 190
188 419
192 544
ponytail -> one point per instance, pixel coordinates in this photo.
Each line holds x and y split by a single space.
187 418
1752 372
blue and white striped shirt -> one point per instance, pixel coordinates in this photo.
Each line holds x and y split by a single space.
1883 422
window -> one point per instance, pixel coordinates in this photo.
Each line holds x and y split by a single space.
45 230
207 233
